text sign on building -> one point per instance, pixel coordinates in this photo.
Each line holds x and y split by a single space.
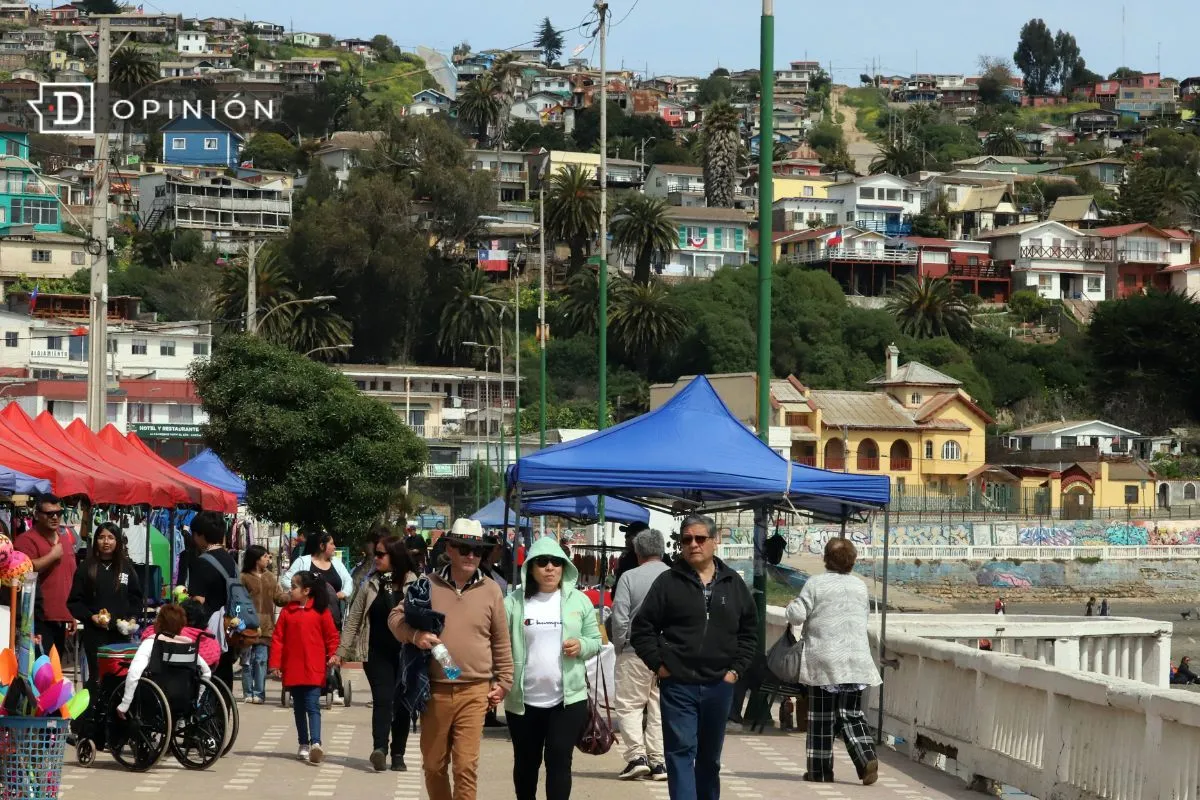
48 355
148 430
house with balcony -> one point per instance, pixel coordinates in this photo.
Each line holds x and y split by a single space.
709 238
201 142
267 31
1107 438
622 173
964 262
977 205
541 108
1076 210
859 260
678 184
428 102
1141 254
1111 172
1052 259
514 171
27 203
342 152
883 203
221 208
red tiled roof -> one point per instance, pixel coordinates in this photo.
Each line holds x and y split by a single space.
1181 268
1176 233
1113 231
137 391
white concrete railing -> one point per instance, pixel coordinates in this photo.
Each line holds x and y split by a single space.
1028 552
735 552
1048 731
1118 647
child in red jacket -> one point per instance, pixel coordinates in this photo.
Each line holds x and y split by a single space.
305 642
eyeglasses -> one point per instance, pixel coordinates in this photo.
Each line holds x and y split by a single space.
471 550
687 540
56 513
380 553
546 561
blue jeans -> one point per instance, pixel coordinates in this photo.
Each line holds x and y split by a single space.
693 720
306 701
254 670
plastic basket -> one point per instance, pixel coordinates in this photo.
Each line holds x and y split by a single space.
31 757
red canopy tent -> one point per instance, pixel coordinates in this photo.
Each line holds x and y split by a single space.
65 481
167 493
212 498
103 486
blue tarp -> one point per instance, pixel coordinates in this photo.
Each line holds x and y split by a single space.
581 509
209 468
691 449
13 482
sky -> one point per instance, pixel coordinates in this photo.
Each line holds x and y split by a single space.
692 37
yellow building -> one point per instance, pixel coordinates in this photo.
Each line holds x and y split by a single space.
918 426
814 186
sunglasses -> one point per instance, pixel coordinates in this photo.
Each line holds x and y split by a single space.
472 550
380 553
57 513
687 540
546 561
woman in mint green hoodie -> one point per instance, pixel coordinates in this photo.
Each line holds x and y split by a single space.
554 632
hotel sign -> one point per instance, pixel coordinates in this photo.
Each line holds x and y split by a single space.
148 430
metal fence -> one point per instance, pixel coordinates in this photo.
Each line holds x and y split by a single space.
1007 502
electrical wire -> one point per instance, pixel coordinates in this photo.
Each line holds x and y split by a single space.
627 13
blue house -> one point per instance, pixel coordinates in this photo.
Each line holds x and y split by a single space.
203 142
24 198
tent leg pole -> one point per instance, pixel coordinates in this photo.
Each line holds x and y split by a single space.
758 710
170 577
516 569
887 519
149 555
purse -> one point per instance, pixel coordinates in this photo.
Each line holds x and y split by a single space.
783 659
597 737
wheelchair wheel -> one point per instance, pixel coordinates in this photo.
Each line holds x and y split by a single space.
140 740
85 752
198 739
234 720
349 689
285 699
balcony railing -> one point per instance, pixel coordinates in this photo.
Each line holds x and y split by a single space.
1142 256
202 203
851 254
993 271
887 228
446 470
1067 253
835 462
901 464
808 461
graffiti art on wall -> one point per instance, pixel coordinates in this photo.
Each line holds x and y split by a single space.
1007 575
1045 537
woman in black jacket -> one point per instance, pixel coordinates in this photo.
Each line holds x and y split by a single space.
106 590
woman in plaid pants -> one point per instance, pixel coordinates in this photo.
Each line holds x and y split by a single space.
837 664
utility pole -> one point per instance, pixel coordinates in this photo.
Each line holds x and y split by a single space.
97 388
543 329
602 326
253 248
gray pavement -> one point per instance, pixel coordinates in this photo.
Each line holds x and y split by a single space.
263 766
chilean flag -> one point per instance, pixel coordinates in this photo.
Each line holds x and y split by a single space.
33 299
835 240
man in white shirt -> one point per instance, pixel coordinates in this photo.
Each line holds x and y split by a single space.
637 689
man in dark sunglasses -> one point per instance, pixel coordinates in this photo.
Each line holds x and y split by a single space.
51 547
697 631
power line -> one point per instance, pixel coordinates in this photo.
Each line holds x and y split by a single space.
627 13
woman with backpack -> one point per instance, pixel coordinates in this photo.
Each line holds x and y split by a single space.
321 560
105 590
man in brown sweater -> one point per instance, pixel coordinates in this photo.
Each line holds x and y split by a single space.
476 635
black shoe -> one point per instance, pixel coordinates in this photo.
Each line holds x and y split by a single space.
378 760
398 764
638 768
808 776
871 773
658 772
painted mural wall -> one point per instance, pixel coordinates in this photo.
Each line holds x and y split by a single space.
1160 575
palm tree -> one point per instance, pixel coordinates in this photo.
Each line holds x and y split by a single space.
721 138
315 327
642 229
646 321
1005 143
920 115
781 151
896 158
573 210
131 69
479 104
465 318
581 303
621 146
928 307
507 71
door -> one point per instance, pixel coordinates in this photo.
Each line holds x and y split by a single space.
1077 503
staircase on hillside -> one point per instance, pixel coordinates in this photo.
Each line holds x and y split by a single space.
1081 310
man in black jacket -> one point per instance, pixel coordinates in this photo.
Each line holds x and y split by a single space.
697 630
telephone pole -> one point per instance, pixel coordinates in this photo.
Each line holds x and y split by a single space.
602 325
253 248
97 388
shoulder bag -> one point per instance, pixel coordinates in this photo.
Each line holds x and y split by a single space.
783 659
597 737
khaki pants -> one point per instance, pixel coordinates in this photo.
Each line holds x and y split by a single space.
637 705
451 732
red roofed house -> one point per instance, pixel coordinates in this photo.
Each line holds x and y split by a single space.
1141 253
966 263
857 259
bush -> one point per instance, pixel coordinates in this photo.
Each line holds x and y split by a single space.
1087 559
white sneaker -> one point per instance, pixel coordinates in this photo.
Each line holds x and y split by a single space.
303 753
316 754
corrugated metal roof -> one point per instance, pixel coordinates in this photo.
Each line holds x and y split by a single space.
860 410
785 392
1071 208
915 373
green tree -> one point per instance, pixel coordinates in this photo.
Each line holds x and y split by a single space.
643 230
1068 61
1005 143
312 448
995 77
1027 305
573 211
646 323
549 41
721 136
928 307
479 105
896 158
270 151
1161 196
581 302
1036 57
100 7
715 88
130 69
1121 73
465 318
526 135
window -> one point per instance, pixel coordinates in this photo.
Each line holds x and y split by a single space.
54 342
893 194
808 191
929 450
77 258
373 386
1093 284
179 143
1067 441
907 195
387 386
33 212
177 413
1131 495
361 385
199 348
45 374
831 219
915 399
951 451
63 411
138 348
1044 281
137 412
12 148
210 143
166 347
112 345
1176 247
849 216
40 256
952 194
972 261
1189 492
11 338
866 193
110 412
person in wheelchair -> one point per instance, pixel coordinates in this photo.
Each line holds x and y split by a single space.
171 660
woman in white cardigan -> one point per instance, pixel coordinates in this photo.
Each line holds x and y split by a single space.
836 663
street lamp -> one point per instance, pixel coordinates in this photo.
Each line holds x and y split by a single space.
516 305
305 301
487 406
330 347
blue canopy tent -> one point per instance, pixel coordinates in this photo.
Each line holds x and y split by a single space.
13 482
580 509
208 467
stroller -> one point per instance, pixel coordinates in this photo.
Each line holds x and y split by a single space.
333 675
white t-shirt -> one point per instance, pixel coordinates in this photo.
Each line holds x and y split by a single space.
543 682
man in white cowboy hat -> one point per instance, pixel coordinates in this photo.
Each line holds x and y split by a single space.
476 636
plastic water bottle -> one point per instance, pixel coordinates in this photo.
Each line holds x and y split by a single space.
452 670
